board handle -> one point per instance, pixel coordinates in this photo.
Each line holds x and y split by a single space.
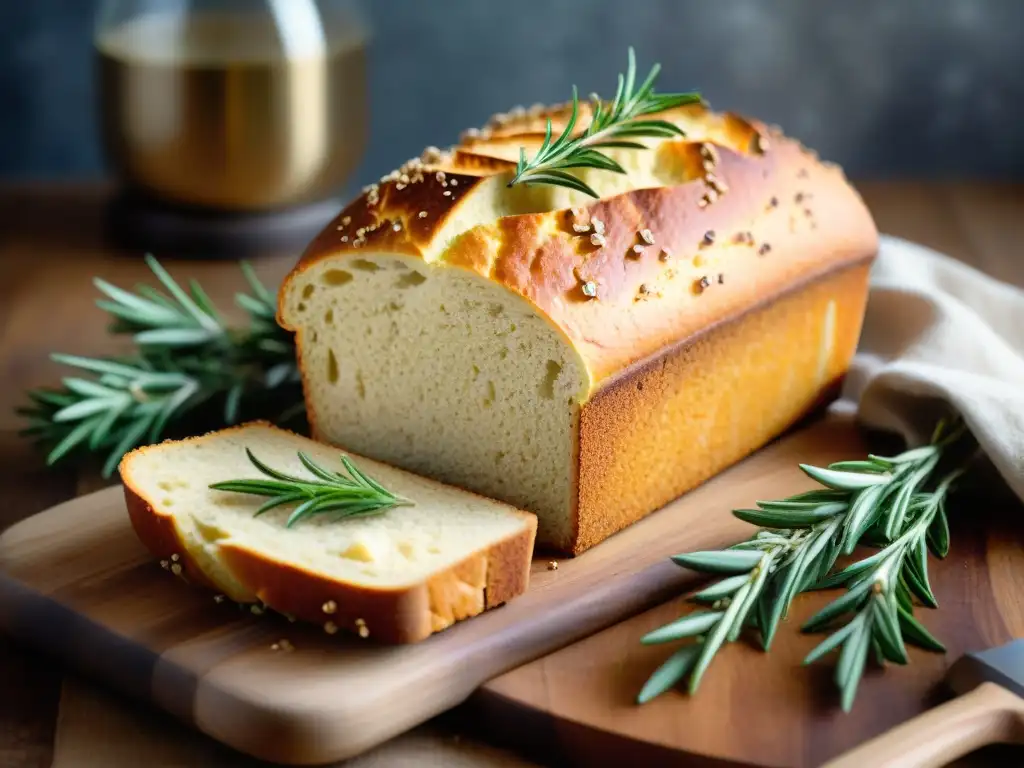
989 714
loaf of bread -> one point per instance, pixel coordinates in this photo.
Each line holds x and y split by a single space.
585 359
396 576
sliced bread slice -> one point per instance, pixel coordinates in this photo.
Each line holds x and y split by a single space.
398 575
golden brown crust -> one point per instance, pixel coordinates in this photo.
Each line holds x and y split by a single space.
404 614
390 615
757 209
669 425
160 536
508 568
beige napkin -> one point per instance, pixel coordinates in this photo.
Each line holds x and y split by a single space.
939 334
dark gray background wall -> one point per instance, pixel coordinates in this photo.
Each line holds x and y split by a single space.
885 87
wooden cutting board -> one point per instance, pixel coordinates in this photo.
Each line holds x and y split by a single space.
73 580
577 706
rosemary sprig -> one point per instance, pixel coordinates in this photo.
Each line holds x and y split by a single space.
189 371
615 125
351 495
877 500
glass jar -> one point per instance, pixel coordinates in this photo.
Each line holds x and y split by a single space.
235 105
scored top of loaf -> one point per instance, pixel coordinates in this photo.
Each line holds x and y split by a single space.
700 228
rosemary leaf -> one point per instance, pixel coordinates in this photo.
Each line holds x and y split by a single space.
915 632
918 586
668 674
175 337
844 481
860 466
727 561
84 408
851 664
204 319
714 641
252 306
87 388
721 589
232 402
914 455
323 474
766 632
691 625
816 496
757 583
151 293
45 398
277 375
848 602
129 307
830 643
131 437
792 518
890 639
851 571
790 585
276 501
562 179
74 437
898 514
822 510
360 477
903 595
938 532
101 430
863 512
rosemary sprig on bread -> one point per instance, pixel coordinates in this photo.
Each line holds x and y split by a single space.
341 495
616 125
189 371
880 501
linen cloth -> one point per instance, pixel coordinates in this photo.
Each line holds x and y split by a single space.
938 333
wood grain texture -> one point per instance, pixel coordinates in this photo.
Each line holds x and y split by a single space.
76 582
578 703
98 728
51 245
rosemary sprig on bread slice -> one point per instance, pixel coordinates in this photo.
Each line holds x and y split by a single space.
352 494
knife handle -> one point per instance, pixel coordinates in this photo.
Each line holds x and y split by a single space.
989 714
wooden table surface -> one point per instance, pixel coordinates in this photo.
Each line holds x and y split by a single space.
51 246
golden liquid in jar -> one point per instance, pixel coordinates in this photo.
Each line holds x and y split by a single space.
231 111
